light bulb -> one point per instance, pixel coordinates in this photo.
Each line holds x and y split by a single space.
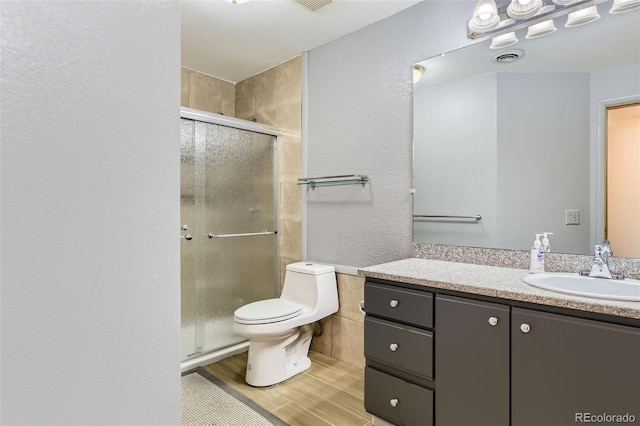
485 16
523 9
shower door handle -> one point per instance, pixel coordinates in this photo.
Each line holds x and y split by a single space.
187 237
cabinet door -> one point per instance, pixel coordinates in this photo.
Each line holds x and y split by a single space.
565 370
472 362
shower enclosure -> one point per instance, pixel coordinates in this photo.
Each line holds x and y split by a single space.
228 229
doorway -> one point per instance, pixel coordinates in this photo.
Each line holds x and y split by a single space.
622 211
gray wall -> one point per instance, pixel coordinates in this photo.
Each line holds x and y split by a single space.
543 159
456 161
510 146
90 184
360 121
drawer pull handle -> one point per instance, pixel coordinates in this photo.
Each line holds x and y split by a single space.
393 347
525 328
393 402
393 303
493 321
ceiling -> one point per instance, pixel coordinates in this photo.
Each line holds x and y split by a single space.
236 41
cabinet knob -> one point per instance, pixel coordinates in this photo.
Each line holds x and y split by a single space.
393 303
525 328
393 402
393 347
493 321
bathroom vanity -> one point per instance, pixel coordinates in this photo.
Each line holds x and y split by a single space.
458 344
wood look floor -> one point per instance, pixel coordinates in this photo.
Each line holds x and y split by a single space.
330 392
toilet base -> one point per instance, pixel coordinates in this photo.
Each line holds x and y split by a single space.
272 361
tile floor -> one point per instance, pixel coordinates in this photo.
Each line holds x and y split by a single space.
330 392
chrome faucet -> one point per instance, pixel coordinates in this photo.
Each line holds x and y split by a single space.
600 266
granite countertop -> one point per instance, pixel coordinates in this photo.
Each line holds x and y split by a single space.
493 281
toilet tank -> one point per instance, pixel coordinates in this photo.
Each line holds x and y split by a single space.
313 285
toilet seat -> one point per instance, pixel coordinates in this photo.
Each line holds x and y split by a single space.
267 311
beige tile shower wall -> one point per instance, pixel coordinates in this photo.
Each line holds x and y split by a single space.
274 97
343 333
206 93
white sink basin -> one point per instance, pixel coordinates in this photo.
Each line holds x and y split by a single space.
627 289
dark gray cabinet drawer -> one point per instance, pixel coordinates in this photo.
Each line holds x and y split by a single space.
399 304
399 402
400 346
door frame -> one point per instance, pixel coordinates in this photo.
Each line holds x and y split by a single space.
223 120
599 157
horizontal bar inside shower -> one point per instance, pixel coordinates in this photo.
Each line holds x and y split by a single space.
211 235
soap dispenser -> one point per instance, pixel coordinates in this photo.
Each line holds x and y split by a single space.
546 246
537 256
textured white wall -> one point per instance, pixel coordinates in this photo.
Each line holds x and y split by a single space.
90 184
360 121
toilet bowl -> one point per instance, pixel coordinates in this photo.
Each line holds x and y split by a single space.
280 330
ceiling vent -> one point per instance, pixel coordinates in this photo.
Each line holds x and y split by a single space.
508 56
314 5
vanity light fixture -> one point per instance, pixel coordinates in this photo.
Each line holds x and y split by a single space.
417 73
582 17
537 15
504 40
485 16
523 9
542 29
621 6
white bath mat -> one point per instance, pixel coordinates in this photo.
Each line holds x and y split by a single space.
207 401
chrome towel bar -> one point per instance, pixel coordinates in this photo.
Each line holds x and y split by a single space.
475 218
211 235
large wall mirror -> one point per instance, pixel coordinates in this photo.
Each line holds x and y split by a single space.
522 143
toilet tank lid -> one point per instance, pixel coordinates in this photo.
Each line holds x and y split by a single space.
310 268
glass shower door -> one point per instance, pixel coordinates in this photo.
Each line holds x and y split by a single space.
235 245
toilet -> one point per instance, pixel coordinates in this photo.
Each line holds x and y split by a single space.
280 330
